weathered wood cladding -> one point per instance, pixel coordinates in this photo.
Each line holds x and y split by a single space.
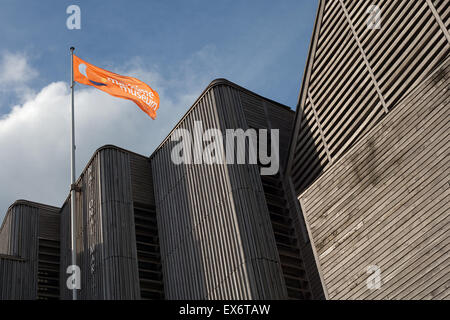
23 257
355 75
386 203
148 255
19 233
147 240
141 180
297 223
113 183
215 229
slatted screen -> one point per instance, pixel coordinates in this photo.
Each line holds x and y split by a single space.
358 74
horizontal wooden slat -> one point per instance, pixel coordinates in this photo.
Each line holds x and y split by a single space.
385 203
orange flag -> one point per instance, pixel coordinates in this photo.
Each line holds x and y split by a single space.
116 85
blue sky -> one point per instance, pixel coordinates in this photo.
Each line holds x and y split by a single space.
177 47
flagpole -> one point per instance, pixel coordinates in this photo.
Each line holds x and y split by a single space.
72 177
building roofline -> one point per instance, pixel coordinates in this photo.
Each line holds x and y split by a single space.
96 152
33 204
11 258
213 84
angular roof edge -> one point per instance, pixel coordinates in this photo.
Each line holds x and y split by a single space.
212 84
304 84
96 152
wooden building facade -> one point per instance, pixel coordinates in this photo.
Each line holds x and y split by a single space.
117 238
29 252
226 231
368 157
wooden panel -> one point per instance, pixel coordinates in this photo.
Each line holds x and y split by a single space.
141 180
49 224
106 240
88 234
117 223
5 234
251 207
385 203
297 262
263 114
148 253
355 74
215 230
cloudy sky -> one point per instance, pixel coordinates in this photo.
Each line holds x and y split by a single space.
177 47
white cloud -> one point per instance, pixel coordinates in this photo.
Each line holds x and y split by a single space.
15 75
14 69
35 135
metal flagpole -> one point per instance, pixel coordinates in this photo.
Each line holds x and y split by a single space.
72 186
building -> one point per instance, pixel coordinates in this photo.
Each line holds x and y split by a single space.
357 210
369 154
117 237
226 231
29 252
